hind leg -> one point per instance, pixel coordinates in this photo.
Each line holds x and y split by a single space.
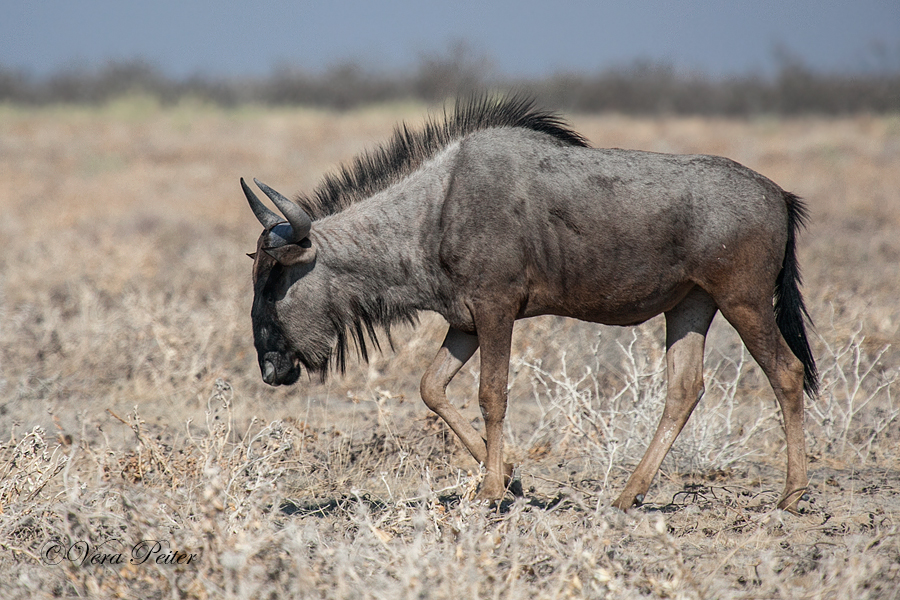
755 323
686 327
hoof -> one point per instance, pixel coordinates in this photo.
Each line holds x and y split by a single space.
491 493
626 501
790 502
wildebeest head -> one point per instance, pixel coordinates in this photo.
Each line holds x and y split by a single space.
291 326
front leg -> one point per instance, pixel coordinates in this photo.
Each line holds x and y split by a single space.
457 349
495 336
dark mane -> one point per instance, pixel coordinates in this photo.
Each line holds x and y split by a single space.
407 149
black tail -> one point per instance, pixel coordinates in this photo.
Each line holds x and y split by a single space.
790 312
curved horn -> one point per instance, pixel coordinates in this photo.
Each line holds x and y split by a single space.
296 216
266 217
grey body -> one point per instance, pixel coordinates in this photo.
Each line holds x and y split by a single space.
505 223
609 236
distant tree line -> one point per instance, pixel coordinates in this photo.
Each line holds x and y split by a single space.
640 88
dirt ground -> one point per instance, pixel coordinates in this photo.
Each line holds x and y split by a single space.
131 406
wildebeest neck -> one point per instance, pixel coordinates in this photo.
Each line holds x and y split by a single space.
380 257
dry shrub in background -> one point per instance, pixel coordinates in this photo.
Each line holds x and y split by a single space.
131 406
639 88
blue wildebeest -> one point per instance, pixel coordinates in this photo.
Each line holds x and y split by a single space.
499 211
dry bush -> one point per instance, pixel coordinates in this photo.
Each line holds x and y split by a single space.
132 408
858 409
586 419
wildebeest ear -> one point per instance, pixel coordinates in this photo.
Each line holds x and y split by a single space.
252 255
292 254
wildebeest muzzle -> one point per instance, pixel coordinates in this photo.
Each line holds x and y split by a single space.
279 369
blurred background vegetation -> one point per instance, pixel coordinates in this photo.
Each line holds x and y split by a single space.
639 88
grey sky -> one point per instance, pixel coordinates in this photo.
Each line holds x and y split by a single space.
527 37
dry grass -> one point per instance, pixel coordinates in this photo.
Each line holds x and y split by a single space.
132 409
